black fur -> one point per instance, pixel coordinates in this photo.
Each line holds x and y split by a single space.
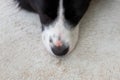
75 9
48 9
25 5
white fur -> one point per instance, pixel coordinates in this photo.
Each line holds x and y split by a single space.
60 28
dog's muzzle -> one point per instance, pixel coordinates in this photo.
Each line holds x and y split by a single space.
59 48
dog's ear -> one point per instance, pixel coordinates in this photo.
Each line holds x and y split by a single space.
24 5
75 9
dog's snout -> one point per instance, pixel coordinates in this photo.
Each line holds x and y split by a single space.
60 50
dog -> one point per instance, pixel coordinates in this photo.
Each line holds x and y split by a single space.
60 22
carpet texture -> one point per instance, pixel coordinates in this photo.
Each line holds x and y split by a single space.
96 57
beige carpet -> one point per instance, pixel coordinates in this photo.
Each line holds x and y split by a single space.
97 56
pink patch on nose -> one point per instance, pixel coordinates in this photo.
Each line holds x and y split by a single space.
58 43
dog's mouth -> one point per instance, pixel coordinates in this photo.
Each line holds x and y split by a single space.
60 51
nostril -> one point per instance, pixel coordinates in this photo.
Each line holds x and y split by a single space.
60 51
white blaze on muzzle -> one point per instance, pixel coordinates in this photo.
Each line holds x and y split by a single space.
58 38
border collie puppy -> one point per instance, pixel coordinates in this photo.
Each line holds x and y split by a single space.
60 22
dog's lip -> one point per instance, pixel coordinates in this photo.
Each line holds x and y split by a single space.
60 51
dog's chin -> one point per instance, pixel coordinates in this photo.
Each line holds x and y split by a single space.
72 39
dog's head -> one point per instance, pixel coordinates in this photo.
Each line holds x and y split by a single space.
60 20
59 38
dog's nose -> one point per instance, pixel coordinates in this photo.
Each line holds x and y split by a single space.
60 50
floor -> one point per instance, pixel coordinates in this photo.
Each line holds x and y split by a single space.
96 57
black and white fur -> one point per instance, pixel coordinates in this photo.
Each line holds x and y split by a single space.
60 22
